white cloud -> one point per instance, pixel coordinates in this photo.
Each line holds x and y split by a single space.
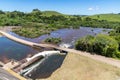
93 8
90 9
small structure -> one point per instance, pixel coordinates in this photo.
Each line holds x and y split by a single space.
33 62
44 54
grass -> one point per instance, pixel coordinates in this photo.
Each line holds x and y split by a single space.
76 67
50 13
108 17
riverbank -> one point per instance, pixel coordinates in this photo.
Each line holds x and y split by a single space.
7 28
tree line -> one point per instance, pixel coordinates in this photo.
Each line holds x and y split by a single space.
18 18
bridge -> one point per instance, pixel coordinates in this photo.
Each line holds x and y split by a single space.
110 61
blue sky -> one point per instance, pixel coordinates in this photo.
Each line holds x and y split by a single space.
87 7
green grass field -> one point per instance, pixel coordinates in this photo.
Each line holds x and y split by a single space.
76 67
50 13
108 17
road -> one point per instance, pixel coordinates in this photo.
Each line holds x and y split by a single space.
107 60
4 75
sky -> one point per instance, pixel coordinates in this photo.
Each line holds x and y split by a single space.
74 7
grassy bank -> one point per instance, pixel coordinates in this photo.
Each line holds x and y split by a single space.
108 17
76 67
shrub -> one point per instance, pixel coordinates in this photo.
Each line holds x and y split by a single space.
53 40
100 44
107 46
85 44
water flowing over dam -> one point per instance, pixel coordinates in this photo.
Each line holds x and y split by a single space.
35 62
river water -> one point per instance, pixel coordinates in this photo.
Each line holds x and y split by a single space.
13 50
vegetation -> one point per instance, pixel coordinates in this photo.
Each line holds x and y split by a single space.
38 22
33 30
50 13
76 67
89 22
116 35
100 44
53 40
109 17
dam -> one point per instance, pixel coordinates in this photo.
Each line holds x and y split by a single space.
62 50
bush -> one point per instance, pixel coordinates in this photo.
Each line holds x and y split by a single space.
101 44
116 35
85 43
107 46
53 40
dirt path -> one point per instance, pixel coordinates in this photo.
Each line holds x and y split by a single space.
110 61
107 60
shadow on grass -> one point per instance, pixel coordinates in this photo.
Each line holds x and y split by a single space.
48 66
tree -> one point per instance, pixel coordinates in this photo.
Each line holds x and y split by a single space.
1 12
85 44
117 29
88 19
36 10
98 16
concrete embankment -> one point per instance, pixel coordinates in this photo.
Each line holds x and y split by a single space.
1 63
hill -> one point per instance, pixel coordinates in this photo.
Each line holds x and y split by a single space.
76 67
108 17
50 13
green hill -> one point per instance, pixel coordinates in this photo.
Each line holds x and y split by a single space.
108 17
50 13
77 67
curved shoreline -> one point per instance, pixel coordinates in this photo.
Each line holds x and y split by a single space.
6 29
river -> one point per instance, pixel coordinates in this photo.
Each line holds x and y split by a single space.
13 50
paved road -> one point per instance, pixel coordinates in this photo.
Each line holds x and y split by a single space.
4 75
